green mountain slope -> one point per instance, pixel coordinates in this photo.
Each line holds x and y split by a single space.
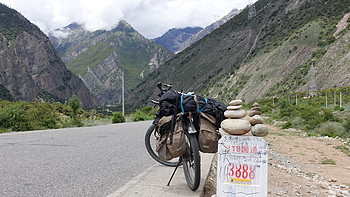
100 57
30 67
269 54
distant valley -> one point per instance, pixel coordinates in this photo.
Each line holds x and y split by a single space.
263 50
99 58
178 39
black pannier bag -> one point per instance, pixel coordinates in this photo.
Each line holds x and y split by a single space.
217 109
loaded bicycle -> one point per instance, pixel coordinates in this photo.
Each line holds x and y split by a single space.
190 156
185 124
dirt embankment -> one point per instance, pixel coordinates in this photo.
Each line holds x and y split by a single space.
301 166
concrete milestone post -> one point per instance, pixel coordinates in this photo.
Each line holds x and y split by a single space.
242 159
242 166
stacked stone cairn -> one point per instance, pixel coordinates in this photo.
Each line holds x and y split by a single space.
257 122
235 124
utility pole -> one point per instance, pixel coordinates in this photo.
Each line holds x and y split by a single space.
340 103
312 86
123 92
335 99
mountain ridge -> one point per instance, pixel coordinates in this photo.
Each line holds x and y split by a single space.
175 37
31 68
194 38
99 58
248 58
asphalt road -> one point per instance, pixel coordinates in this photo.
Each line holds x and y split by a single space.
93 161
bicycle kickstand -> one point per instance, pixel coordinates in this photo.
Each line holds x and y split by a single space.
178 164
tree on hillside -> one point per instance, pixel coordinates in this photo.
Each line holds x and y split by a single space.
74 103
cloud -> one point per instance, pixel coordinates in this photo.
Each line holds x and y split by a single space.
151 18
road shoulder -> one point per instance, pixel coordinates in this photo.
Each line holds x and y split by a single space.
153 181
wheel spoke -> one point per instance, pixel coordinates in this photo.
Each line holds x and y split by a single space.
150 143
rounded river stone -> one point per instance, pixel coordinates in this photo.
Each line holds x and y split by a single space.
236 126
257 119
256 105
236 102
259 130
256 109
234 107
253 113
235 113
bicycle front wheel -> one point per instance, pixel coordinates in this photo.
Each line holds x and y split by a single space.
191 163
150 143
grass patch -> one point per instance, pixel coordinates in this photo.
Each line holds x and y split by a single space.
310 175
278 134
328 161
343 149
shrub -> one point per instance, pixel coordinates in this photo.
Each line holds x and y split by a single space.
330 39
25 116
76 121
44 115
146 113
338 108
266 109
287 125
310 114
146 110
99 116
297 123
331 129
138 116
346 126
74 103
118 117
61 108
14 118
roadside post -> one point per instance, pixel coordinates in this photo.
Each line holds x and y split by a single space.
242 159
242 166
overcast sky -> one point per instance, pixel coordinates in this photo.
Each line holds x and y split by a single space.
151 18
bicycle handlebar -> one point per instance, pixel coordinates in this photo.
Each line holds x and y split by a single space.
155 102
162 90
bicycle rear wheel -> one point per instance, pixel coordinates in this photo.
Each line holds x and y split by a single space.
150 142
191 163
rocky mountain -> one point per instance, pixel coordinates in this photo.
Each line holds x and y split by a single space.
30 67
265 54
194 38
174 38
99 58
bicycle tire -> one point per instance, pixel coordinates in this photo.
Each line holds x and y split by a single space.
151 147
191 163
